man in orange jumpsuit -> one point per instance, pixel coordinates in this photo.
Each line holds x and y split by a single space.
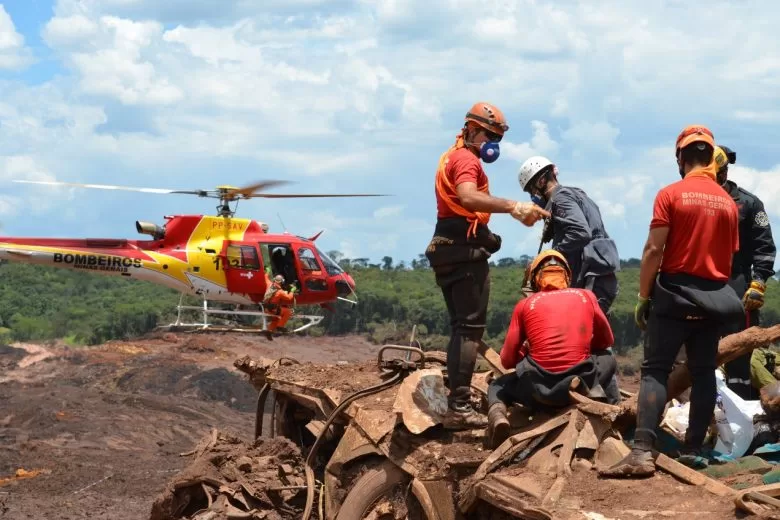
279 302
462 244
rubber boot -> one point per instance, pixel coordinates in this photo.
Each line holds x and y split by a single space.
498 425
638 463
692 454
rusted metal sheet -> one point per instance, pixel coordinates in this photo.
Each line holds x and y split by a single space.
441 494
421 400
352 446
528 484
311 398
587 438
505 499
492 358
375 424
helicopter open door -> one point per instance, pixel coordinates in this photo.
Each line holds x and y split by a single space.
243 270
313 277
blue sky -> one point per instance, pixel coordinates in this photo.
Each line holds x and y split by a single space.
363 96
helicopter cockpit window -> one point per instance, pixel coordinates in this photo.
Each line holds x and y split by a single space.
243 257
331 266
308 260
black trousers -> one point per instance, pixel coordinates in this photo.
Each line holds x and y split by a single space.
663 340
517 387
606 290
466 290
738 370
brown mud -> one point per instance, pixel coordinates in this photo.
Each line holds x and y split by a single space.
107 424
161 427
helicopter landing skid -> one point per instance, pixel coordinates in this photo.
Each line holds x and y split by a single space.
205 312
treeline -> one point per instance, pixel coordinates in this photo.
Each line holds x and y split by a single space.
394 297
421 262
38 303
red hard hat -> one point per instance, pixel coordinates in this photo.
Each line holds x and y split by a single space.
488 116
693 134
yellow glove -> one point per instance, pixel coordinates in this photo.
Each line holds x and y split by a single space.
528 213
641 311
754 296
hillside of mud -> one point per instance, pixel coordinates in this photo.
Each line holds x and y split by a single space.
103 429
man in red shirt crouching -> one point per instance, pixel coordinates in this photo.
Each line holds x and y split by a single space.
551 339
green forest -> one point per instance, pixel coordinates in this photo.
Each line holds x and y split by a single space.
39 303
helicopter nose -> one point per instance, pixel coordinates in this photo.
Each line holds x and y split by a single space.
345 284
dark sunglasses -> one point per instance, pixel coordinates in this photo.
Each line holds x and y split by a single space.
496 138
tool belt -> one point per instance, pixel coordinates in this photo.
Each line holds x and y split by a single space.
451 245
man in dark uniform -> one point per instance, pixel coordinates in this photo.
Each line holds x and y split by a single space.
462 244
752 267
576 230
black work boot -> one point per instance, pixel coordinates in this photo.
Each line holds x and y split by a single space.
638 463
498 425
460 415
463 417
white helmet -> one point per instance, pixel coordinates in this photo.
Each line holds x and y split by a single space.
530 168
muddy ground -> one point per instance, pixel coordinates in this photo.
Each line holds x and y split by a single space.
106 425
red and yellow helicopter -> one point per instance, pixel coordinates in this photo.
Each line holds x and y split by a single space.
216 258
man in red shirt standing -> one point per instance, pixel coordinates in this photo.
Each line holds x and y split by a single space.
693 235
554 335
462 244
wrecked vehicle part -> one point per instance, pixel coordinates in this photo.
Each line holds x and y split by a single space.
389 448
400 369
313 451
369 488
229 478
353 447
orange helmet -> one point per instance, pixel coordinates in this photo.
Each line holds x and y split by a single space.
546 258
488 116
693 134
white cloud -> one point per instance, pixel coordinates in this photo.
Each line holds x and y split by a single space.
364 95
13 53
23 167
69 30
592 139
764 184
388 211
768 116
9 206
540 144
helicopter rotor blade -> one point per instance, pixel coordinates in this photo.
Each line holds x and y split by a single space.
201 193
222 192
250 190
313 195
